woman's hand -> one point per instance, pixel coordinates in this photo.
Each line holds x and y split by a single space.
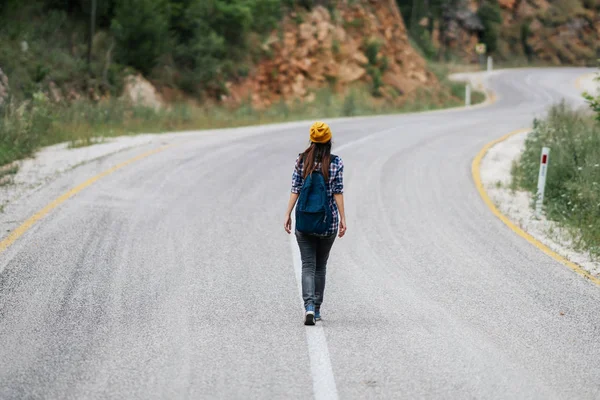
342 231
339 199
287 224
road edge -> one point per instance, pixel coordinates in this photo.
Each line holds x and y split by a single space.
31 221
476 173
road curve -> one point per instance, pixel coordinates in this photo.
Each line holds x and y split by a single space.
173 278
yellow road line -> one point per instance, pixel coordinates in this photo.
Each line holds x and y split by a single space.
475 169
25 226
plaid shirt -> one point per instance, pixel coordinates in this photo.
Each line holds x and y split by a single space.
335 186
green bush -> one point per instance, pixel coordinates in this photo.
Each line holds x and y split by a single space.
141 29
211 37
594 100
372 51
22 127
572 195
335 47
376 78
525 33
422 40
53 53
491 17
376 66
266 15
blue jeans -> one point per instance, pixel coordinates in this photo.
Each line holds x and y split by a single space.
314 251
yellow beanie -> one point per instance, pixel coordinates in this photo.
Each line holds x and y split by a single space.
320 132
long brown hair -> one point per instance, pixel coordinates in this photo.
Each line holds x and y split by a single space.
315 153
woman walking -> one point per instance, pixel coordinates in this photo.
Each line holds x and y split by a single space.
318 187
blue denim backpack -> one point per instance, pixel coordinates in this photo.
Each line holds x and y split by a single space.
313 215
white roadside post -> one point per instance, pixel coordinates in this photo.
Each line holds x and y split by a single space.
542 180
468 95
490 64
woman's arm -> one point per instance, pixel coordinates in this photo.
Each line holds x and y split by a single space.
287 224
297 182
338 195
339 199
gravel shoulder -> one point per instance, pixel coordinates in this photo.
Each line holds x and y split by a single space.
50 162
516 205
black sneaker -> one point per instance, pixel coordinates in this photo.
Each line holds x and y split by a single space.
309 316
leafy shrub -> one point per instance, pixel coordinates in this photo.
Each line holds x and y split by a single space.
376 78
22 127
335 47
141 29
572 194
525 33
594 100
372 50
385 64
422 40
266 15
309 4
212 37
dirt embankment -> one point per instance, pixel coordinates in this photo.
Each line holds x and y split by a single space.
363 42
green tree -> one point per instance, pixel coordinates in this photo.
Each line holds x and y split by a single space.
211 37
413 12
141 30
267 13
525 34
491 17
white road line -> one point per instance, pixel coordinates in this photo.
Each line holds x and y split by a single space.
320 364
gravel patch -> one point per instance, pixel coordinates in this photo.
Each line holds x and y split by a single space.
516 205
51 161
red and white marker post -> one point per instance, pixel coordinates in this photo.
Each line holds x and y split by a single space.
542 180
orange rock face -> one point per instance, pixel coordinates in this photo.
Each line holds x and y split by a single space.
315 49
508 4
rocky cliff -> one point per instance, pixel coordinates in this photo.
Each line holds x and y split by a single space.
559 32
555 31
355 42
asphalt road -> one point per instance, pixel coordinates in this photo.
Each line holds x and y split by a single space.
173 278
